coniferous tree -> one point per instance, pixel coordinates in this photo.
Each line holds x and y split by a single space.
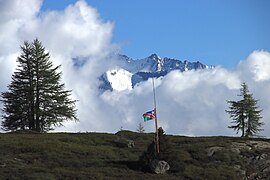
140 128
17 105
245 113
253 116
237 113
36 99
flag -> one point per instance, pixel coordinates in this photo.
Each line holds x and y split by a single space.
149 115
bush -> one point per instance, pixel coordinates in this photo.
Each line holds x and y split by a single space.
166 153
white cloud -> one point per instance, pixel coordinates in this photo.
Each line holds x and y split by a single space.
14 16
257 64
189 103
75 32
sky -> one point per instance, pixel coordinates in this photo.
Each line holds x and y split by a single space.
214 32
233 35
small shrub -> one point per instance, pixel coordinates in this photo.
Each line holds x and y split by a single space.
166 153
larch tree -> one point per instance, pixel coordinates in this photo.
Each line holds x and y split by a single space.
36 99
245 113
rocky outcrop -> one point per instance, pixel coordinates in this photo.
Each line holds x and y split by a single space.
239 147
121 142
256 154
159 166
258 144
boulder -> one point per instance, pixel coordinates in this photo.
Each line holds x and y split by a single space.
159 166
125 143
212 150
259 144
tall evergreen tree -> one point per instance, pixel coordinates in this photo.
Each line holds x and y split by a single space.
245 113
36 99
17 107
253 116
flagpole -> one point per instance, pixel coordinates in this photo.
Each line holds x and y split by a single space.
155 104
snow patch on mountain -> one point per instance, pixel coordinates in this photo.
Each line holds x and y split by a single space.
119 79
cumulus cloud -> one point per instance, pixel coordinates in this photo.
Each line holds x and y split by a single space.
75 33
257 66
188 103
13 15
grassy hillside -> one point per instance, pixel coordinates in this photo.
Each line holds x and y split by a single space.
96 156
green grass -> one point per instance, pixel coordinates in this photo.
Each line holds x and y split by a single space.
96 156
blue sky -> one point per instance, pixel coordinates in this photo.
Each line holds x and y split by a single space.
214 32
190 103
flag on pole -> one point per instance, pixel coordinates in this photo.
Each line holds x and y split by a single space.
149 115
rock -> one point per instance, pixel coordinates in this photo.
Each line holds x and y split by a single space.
159 167
253 176
125 143
239 170
237 147
236 150
259 144
260 165
266 170
212 150
262 156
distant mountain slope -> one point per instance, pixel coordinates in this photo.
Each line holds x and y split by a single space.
130 72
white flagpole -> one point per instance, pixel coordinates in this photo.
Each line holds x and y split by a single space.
155 104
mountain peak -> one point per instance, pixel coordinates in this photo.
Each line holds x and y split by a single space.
154 57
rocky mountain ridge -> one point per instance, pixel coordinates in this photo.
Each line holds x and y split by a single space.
129 72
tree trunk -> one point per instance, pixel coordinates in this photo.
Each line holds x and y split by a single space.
243 127
37 104
37 109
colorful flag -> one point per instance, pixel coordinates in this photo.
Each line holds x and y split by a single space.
149 115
